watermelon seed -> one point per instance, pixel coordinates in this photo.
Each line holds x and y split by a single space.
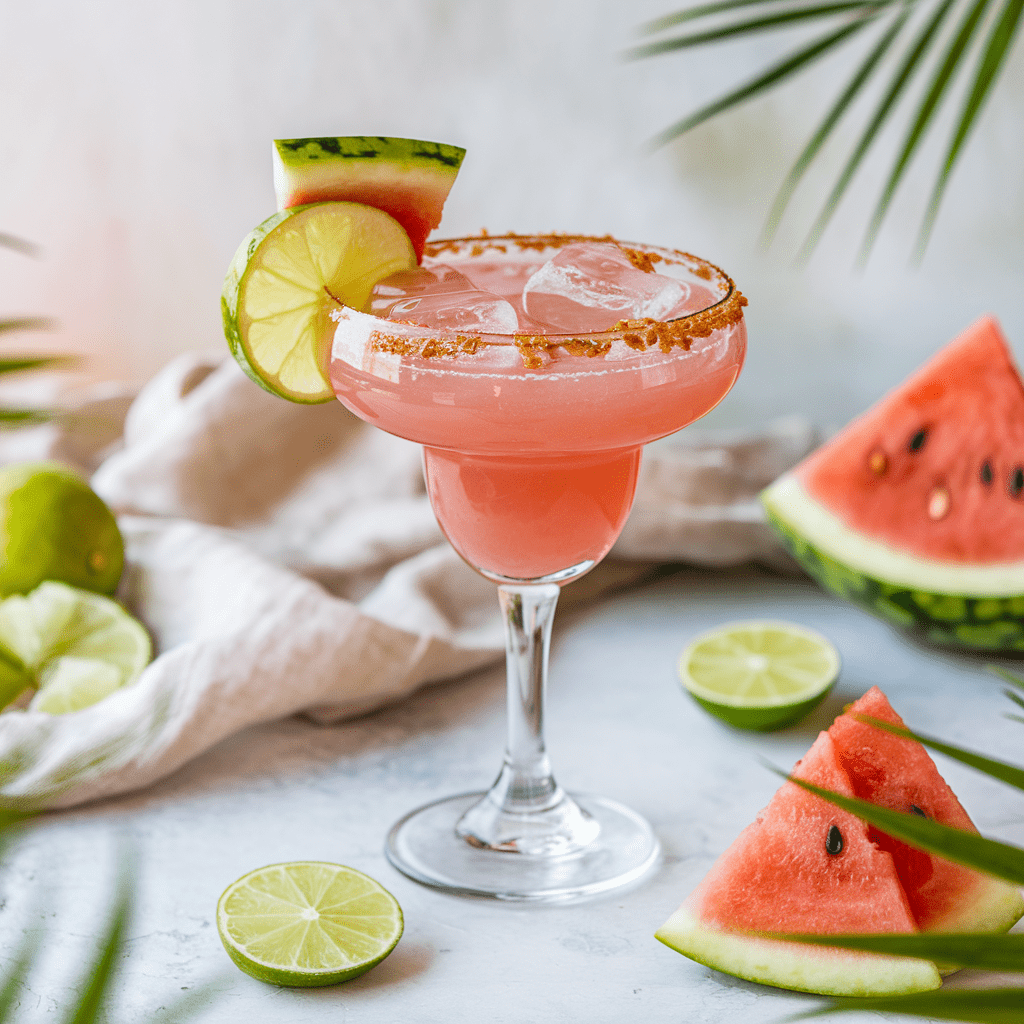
834 841
1016 482
986 472
914 809
877 462
938 502
916 443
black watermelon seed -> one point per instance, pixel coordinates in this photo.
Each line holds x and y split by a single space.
834 841
1016 484
914 809
916 443
986 472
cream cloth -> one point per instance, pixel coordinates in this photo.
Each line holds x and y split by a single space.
285 559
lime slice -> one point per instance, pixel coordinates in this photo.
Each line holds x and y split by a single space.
289 274
55 527
759 675
71 645
307 923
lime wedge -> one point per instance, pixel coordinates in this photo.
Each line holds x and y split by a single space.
307 923
72 646
759 675
289 274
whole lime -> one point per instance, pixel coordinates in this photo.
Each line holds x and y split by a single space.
53 526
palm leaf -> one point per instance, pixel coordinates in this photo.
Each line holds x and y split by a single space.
988 69
795 62
1015 697
19 244
983 952
967 848
698 11
1008 773
941 82
832 118
1015 680
981 1006
25 323
899 82
781 19
17 973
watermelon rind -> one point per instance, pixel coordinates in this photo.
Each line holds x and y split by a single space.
408 178
821 969
975 606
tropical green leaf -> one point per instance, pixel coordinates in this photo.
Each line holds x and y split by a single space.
99 976
941 81
832 118
989 66
1008 773
780 19
17 973
12 364
981 1006
967 848
795 62
19 244
24 417
1014 718
25 323
698 11
904 73
983 952
1009 677
1015 697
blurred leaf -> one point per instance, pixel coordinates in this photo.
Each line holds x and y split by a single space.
775 74
19 244
14 364
989 66
982 1006
1015 697
1008 773
984 952
1016 680
967 848
832 118
25 323
941 81
698 11
25 417
899 82
779 19
17 973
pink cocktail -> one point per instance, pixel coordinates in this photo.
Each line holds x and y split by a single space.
533 370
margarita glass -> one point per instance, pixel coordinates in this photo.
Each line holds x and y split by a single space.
532 445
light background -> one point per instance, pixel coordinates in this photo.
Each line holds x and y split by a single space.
135 150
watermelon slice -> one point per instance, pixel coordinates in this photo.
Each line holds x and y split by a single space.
803 865
898 773
406 178
916 509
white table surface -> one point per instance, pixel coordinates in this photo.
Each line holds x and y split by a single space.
618 724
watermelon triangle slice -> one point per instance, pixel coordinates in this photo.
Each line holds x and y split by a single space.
916 509
803 865
406 178
898 773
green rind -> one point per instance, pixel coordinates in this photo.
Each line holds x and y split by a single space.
762 719
989 622
229 306
438 156
788 965
996 907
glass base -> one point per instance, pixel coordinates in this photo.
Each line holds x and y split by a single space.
424 845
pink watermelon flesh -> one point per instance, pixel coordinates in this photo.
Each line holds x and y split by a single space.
778 875
936 468
899 774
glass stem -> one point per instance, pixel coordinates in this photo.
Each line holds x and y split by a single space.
526 811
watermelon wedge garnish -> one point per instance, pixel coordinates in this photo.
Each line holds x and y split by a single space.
805 865
916 509
406 178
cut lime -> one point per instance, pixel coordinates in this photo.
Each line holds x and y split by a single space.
307 923
55 527
72 646
289 274
759 675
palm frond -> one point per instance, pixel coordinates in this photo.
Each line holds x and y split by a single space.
1015 697
974 1006
1009 677
14 364
991 63
832 118
795 62
941 82
904 73
698 11
25 323
18 244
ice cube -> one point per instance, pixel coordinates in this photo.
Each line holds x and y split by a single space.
441 297
590 286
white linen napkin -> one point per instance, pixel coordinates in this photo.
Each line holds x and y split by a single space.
285 560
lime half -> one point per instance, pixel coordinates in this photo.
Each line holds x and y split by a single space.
759 675
307 923
289 274
72 646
